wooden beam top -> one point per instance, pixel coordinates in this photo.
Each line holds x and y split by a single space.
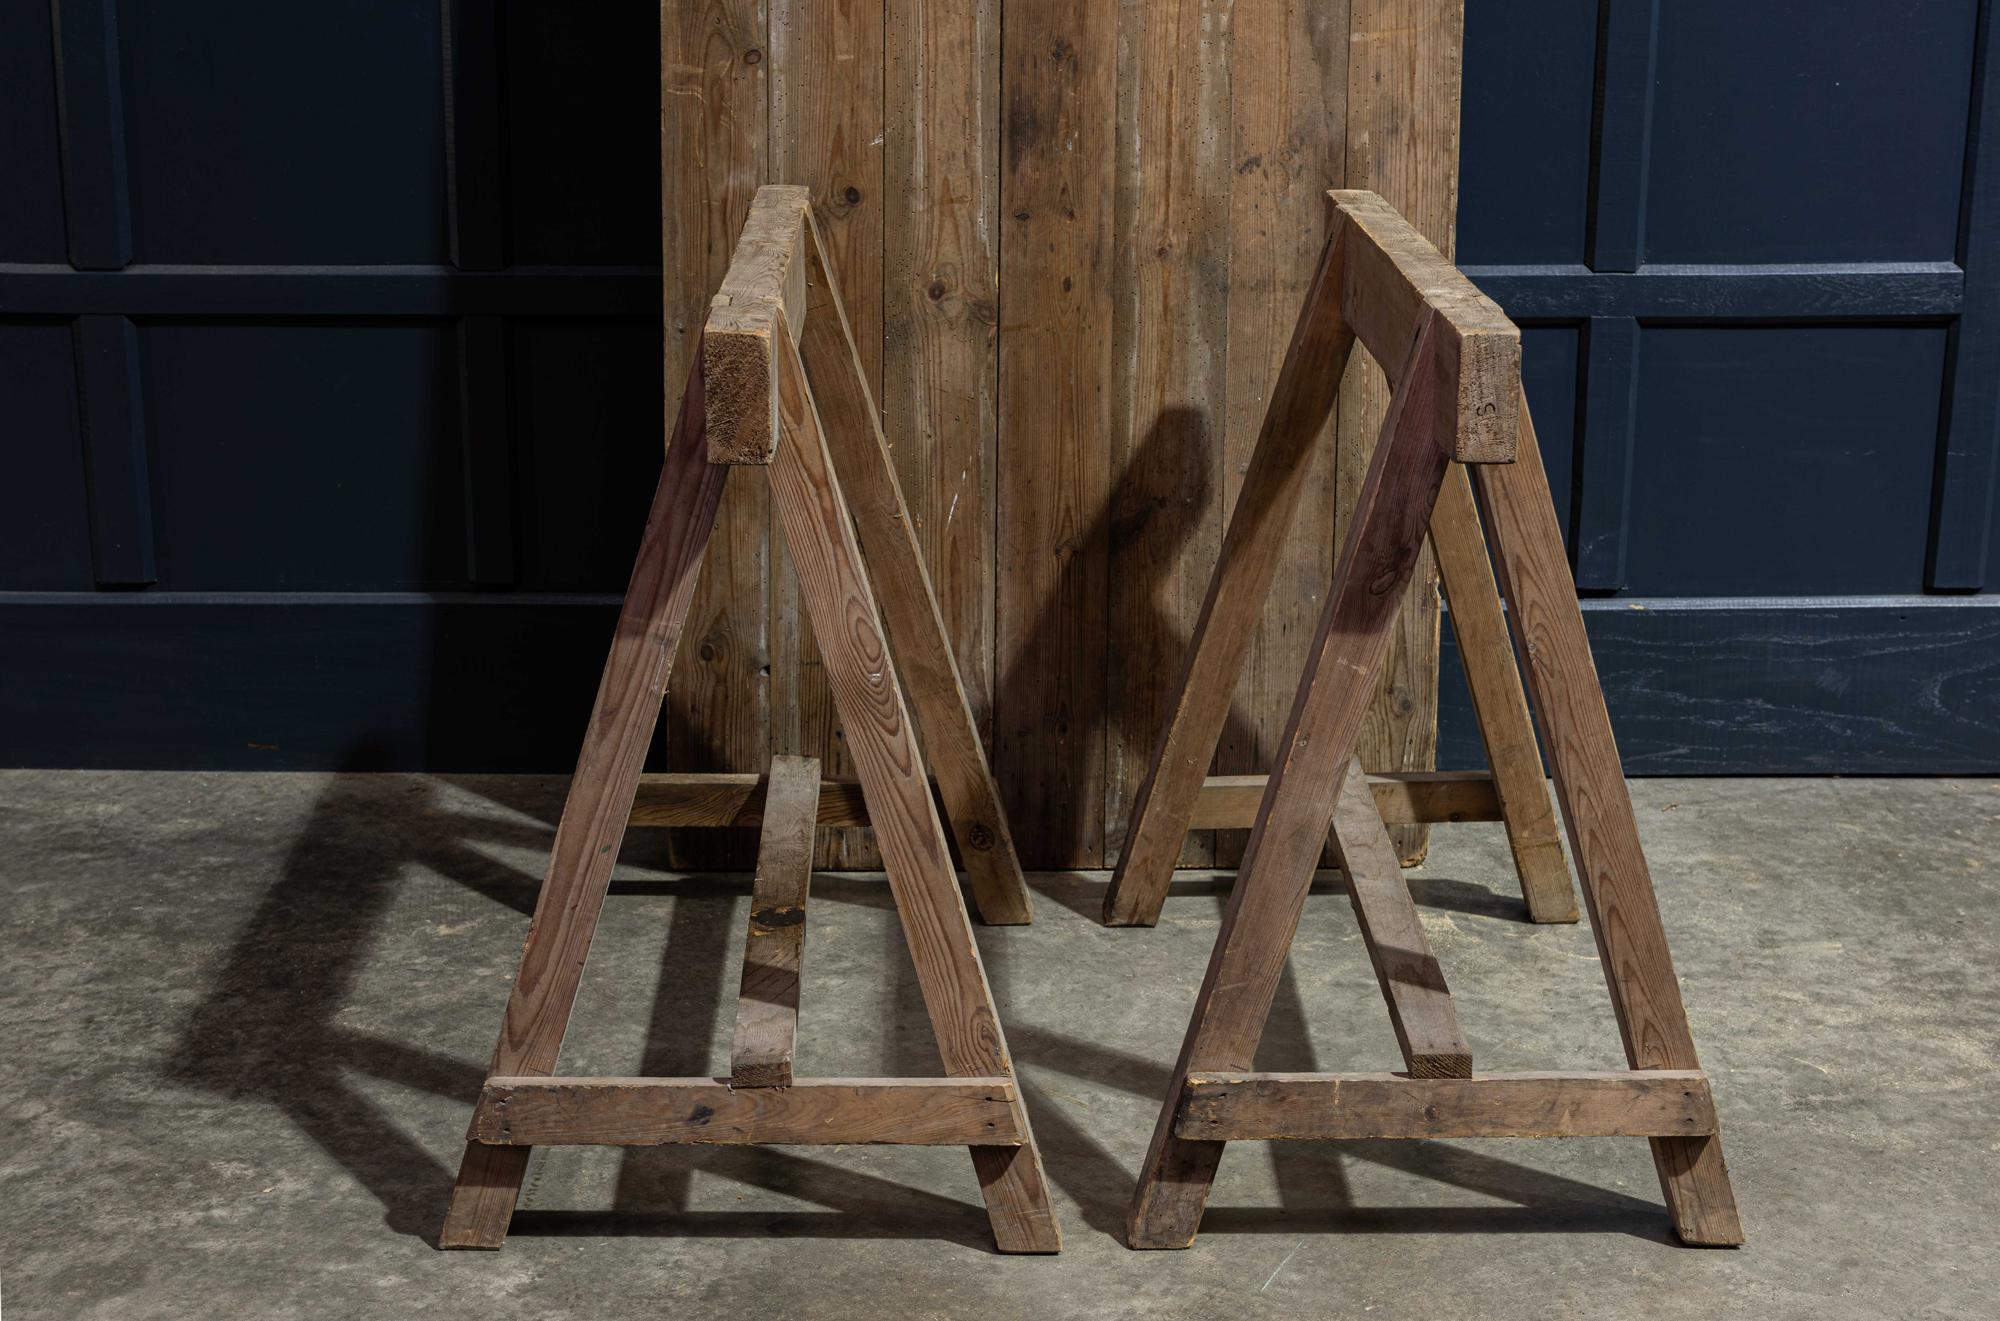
763 295
1392 274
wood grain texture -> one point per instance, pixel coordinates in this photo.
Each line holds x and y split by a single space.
1391 275
714 152
1057 195
1168 385
828 134
1420 1005
1597 809
1252 552
1381 549
1266 1106
767 1002
909 605
763 296
1289 144
835 592
629 1112
1499 702
730 798
1402 142
650 624
941 307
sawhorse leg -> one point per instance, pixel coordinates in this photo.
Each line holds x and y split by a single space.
1270 892
1603 832
594 815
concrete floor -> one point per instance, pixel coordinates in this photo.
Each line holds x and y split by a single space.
248 1015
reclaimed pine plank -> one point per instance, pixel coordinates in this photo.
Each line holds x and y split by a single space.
903 593
941 308
767 1003
1059 81
1252 550
1168 385
635 1112
714 152
828 133
1402 142
1275 1106
1287 149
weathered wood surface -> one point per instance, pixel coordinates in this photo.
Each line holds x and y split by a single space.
834 590
594 815
1402 142
516 1113
1070 488
1597 809
1270 891
1413 987
729 798
763 296
1301 403
767 1002
1500 703
906 599
1269 1106
714 152
1393 275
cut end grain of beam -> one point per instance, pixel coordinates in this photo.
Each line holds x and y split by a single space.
763 295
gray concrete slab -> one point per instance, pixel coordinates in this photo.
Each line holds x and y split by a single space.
247 1016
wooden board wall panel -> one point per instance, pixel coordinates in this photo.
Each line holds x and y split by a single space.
1287 150
941 305
714 152
1058 84
827 132
1402 142
1169 371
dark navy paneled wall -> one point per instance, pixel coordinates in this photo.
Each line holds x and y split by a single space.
330 370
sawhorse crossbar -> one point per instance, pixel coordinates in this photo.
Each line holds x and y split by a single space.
1457 409
777 320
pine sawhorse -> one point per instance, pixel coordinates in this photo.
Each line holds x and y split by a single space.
1454 362
749 403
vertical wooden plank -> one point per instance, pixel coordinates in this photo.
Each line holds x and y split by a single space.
941 306
714 152
113 416
1597 808
1058 80
1277 476
1402 142
96 206
907 600
827 133
1168 382
1288 149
